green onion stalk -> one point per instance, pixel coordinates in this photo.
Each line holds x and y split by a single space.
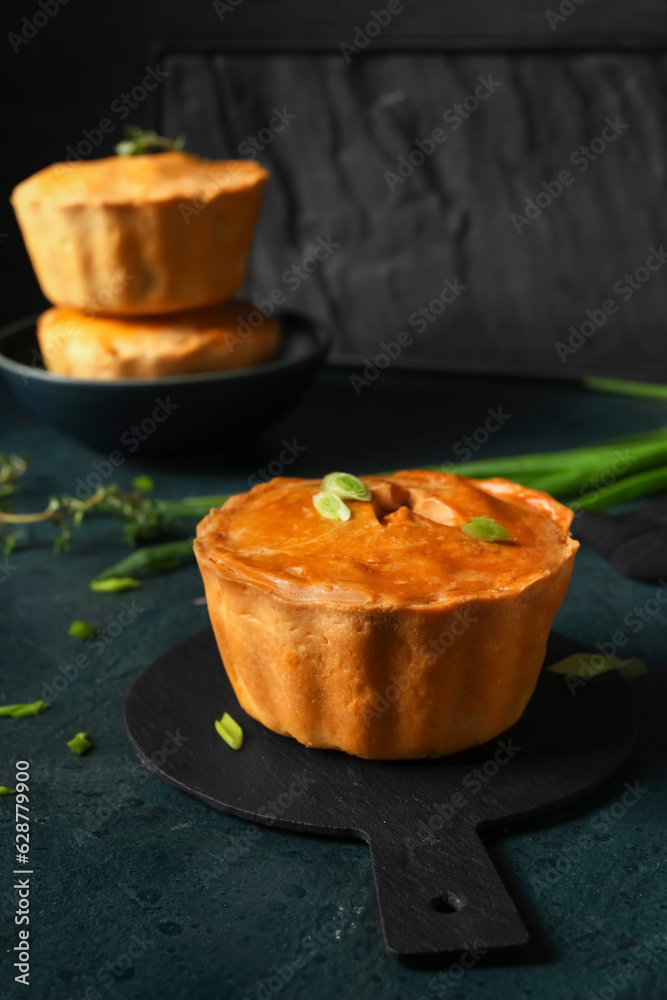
595 477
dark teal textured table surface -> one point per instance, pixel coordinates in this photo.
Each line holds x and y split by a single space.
141 892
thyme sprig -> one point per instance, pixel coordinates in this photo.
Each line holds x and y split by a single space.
144 517
12 467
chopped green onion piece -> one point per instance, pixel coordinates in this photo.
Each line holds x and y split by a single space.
331 506
230 731
586 665
114 583
150 559
345 486
81 630
485 529
24 709
80 743
7 791
144 484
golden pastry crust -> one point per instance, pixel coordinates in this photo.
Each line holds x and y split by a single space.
393 634
215 338
140 234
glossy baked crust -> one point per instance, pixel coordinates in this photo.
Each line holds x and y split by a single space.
215 338
140 234
393 634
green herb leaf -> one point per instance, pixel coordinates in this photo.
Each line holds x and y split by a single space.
10 541
113 584
11 467
7 791
485 529
345 486
80 743
24 709
586 665
81 630
143 516
331 506
230 731
138 142
144 484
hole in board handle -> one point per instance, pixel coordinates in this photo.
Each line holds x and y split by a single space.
449 902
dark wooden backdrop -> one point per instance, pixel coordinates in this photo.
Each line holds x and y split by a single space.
452 218
458 216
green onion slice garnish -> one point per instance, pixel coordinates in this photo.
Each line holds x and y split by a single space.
80 743
114 583
586 665
144 484
230 731
345 486
81 630
23 709
331 506
7 791
485 529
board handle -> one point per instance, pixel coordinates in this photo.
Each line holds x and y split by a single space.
441 895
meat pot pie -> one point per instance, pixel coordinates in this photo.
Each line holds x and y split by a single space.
140 234
392 634
231 334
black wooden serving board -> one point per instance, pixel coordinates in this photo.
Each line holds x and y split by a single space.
438 890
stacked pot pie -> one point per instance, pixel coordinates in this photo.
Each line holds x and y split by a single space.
141 256
393 633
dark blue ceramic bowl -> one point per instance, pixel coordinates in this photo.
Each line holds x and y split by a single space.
176 415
